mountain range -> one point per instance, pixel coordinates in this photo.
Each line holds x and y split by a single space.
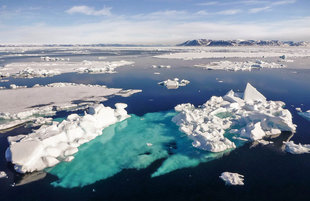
209 42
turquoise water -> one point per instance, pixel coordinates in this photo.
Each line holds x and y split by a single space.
134 143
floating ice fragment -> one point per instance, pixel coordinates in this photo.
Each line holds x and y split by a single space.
298 109
306 114
3 175
237 66
254 116
49 145
293 148
161 66
174 84
232 178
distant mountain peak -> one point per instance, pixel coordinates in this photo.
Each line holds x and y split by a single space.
209 42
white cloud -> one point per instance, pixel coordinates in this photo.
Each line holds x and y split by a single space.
106 11
161 31
229 12
283 2
261 9
210 3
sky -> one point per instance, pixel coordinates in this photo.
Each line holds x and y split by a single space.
151 22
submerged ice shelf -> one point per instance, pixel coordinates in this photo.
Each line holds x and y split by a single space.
134 143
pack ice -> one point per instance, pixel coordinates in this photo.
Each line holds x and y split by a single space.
51 144
249 114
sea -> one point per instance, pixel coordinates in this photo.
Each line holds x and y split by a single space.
146 157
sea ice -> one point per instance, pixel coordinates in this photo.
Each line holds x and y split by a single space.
232 178
190 53
27 104
52 68
49 145
253 116
293 148
133 143
305 115
237 66
161 66
174 84
3 175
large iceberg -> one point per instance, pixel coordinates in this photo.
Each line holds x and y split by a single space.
252 117
49 145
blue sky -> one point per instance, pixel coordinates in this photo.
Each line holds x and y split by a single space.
151 21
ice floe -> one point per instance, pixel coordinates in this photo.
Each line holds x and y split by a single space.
305 115
174 84
49 145
237 66
293 148
54 59
253 116
27 104
232 178
52 68
191 53
3 175
161 66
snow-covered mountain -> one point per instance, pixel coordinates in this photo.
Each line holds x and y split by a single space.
209 42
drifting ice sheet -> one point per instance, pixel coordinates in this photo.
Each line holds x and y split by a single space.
52 68
237 66
254 116
232 178
26 104
49 145
293 148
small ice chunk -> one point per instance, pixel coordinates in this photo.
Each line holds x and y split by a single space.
293 148
298 109
232 178
174 84
3 175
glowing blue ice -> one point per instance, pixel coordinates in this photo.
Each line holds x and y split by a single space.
134 143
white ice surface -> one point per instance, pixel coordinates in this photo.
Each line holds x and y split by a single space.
52 68
254 117
190 53
174 84
293 148
3 175
232 178
51 144
26 104
239 66
305 115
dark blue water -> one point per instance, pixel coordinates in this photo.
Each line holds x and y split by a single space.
270 173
